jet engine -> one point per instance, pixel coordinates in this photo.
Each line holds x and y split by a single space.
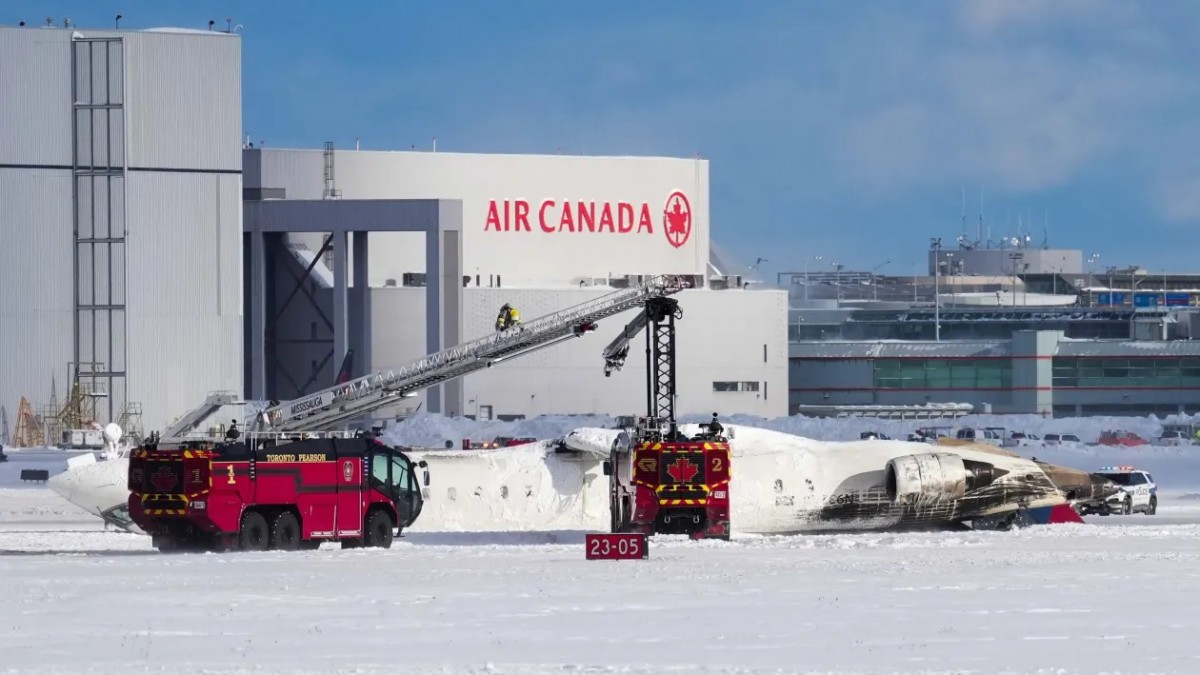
937 475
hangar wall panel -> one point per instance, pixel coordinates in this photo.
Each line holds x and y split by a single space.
35 70
521 257
36 302
184 313
184 101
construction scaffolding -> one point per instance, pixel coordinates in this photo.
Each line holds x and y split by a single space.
29 433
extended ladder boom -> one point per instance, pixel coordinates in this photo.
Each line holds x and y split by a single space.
366 394
658 318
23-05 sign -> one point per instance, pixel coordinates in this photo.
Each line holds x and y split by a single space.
624 546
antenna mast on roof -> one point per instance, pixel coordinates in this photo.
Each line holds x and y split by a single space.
979 241
330 191
963 192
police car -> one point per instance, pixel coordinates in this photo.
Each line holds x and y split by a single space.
1138 491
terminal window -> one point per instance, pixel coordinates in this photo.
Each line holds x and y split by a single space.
1126 372
943 373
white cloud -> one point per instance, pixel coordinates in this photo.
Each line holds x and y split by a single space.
986 16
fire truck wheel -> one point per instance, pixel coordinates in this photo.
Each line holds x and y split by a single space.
379 530
285 531
254 535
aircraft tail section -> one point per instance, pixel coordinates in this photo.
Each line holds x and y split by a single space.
345 373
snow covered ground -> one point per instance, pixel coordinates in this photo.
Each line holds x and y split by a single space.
1116 594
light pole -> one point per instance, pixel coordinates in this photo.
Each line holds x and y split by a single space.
935 244
837 281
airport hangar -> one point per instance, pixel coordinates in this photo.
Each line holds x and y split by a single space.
542 232
130 268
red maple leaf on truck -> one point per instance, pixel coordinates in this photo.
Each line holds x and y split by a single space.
682 470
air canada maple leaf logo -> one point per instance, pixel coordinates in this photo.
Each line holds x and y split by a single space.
163 479
677 219
682 470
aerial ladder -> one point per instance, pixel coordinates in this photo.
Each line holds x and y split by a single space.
661 481
359 397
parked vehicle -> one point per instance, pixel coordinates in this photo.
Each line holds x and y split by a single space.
1174 437
990 435
1061 439
1125 438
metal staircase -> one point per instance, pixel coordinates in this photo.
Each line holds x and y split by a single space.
366 394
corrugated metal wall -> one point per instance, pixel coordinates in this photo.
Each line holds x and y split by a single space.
36 303
185 101
184 290
35 97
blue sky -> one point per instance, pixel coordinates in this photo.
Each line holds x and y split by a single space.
848 130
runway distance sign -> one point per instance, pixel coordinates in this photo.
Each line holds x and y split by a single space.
624 546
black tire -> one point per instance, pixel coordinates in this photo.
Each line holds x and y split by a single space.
1153 507
1127 507
379 530
255 534
285 531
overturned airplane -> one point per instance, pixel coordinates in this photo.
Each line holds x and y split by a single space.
782 484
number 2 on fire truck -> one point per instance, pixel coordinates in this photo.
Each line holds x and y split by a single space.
718 464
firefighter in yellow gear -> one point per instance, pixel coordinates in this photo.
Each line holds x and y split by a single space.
507 318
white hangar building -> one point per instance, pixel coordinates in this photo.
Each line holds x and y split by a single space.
442 240
120 212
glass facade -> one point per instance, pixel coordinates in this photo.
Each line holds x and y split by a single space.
943 373
1127 373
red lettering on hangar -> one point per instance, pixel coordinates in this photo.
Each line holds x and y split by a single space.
552 216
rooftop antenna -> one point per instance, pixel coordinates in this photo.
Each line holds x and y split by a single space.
356 143
117 21
67 22
979 240
435 143
1046 231
211 23
228 25
49 22
963 191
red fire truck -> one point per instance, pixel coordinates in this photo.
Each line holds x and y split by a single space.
670 486
272 490
661 481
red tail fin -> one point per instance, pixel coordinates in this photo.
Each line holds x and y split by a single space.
344 375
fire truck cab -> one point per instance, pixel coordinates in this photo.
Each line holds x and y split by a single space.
273 490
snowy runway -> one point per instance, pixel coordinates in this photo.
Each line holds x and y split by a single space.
1118 594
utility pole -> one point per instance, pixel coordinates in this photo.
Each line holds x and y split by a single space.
935 244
